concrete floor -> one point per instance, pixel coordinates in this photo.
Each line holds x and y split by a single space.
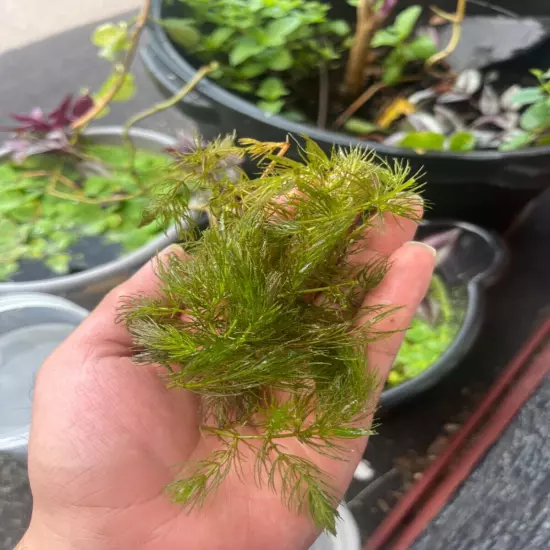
23 22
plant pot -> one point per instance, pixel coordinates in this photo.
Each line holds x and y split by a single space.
87 287
476 262
32 325
488 188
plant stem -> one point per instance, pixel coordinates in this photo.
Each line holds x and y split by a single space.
238 436
284 147
456 19
368 22
369 93
78 196
122 70
323 96
159 107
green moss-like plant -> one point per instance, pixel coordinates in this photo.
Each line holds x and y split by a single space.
243 324
426 342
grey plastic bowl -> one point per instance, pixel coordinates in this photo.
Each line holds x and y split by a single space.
477 261
89 286
21 316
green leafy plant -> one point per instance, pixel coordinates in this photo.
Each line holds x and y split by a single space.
60 187
257 41
389 70
242 323
425 341
535 120
49 202
404 49
434 141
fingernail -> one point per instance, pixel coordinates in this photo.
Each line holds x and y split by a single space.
417 199
423 245
167 253
172 249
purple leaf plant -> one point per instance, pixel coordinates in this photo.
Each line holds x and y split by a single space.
40 132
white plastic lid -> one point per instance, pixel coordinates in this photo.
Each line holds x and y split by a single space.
32 325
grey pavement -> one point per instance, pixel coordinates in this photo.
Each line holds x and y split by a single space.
23 22
45 53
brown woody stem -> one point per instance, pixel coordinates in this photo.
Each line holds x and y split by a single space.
456 19
359 102
122 71
368 22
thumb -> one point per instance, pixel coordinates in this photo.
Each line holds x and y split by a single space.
103 327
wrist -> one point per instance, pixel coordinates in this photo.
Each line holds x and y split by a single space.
40 538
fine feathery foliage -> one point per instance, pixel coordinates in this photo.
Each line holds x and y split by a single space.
261 321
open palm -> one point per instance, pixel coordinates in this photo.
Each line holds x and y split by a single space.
107 436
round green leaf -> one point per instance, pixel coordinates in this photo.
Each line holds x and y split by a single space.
216 40
406 20
95 185
422 48
536 117
243 50
359 126
111 39
271 89
281 28
461 141
527 96
126 91
517 140
384 37
251 69
7 269
59 263
281 61
424 141
182 32
339 27
393 73
243 87
272 107
105 34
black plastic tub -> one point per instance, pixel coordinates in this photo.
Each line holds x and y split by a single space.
477 261
488 188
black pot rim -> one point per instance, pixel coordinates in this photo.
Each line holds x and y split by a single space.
469 328
211 90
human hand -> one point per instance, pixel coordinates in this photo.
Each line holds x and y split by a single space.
107 436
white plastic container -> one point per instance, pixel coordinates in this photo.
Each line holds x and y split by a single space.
32 325
347 534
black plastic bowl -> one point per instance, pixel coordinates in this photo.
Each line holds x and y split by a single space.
477 260
484 187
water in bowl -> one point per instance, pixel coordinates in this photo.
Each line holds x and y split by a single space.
22 352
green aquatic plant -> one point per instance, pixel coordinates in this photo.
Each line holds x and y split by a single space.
51 201
60 187
425 341
260 321
535 120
